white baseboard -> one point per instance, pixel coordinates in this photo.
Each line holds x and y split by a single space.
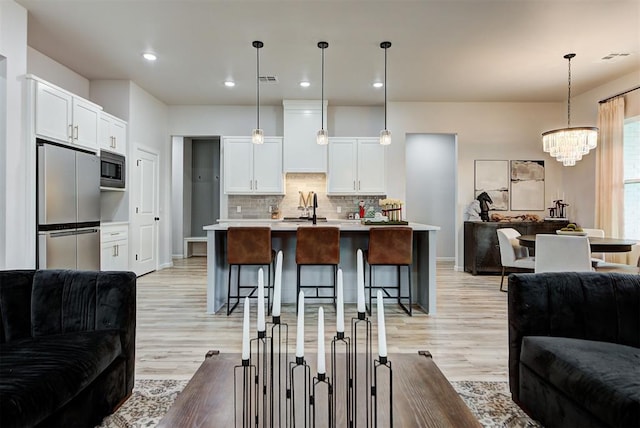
445 259
177 256
165 265
458 268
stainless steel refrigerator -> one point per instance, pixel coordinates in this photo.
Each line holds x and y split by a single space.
68 208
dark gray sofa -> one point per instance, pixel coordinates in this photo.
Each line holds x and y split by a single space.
67 343
574 348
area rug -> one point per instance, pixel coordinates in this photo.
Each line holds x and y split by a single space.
490 402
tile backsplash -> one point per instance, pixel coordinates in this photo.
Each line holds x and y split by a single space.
298 187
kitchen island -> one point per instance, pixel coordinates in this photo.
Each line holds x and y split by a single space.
353 236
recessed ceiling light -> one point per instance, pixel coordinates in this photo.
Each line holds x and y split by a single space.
149 56
305 84
378 85
229 83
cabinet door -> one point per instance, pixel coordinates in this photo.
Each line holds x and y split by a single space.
301 153
238 166
371 167
119 134
267 167
342 166
85 123
53 113
104 134
121 259
107 256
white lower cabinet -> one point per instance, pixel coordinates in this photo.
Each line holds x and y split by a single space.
357 166
114 247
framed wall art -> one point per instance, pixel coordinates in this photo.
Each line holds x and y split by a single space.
527 185
492 176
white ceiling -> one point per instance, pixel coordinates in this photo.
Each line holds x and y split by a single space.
456 50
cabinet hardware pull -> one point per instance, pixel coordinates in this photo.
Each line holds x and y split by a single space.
250 184
354 184
256 184
114 254
358 184
75 128
71 132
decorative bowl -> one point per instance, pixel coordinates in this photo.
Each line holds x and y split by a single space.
571 232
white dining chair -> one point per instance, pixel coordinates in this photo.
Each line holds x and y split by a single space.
596 257
512 254
599 261
561 253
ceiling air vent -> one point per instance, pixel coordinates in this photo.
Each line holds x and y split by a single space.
611 56
268 79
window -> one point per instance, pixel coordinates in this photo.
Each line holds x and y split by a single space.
631 156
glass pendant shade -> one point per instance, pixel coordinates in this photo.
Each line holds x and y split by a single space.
569 144
385 137
257 136
322 138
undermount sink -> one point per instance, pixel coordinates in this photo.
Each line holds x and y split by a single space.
302 219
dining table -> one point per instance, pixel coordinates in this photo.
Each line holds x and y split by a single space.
598 245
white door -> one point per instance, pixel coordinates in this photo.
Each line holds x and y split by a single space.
342 166
144 198
371 167
267 167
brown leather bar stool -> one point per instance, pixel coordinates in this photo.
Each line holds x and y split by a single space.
248 246
390 246
318 245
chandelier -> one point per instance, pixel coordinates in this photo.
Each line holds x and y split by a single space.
568 145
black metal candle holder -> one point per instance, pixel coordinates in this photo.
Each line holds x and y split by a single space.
357 389
263 363
378 364
246 373
341 339
279 356
298 399
322 378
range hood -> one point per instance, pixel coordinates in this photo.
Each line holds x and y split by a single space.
301 123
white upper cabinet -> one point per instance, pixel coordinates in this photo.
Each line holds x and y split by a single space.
112 134
302 120
357 166
252 168
66 118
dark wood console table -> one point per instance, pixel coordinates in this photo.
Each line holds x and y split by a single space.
481 251
422 395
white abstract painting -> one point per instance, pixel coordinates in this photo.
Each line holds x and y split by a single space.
527 185
492 176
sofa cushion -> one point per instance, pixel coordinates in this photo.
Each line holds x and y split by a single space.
600 376
40 375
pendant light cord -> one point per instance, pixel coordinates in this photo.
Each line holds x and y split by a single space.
385 88
322 96
568 57
258 85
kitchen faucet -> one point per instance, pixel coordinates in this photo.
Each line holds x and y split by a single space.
315 205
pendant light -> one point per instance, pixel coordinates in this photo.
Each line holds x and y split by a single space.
568 145
257 136
322 138
385 134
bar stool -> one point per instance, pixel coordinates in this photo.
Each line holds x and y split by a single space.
318 245
390 246
248 246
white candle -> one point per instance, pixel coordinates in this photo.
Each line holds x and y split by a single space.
245 330
321 364
277 287
360 284
340 305
382 335
300 329
260 323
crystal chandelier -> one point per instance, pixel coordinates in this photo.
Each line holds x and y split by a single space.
568 145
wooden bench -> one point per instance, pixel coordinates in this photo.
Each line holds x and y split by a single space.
190 242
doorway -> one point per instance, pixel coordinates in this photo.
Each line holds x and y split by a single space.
431 170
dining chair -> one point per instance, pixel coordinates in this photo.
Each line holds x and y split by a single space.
561 253
512 254
596 257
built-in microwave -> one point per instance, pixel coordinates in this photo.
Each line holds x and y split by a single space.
112 170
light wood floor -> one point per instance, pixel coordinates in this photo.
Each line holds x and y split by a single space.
467 337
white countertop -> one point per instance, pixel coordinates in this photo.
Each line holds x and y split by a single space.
113 223
280 225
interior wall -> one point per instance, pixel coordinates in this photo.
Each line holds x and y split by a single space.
148 128
187 173
17 222
498 131
113 96
56 73
177 161
3 154
431 186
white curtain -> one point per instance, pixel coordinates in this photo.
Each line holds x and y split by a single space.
609 172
